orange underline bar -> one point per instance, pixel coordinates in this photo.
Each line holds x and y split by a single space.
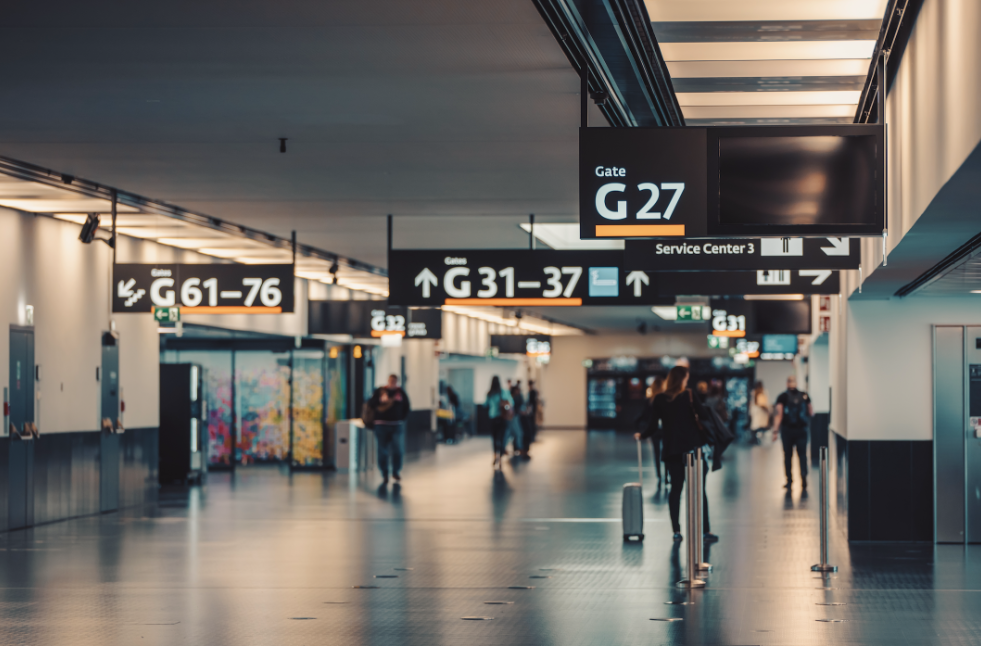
380 333
639 230
507 302
231 309
734 333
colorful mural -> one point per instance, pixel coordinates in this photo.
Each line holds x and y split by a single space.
308 409
261 406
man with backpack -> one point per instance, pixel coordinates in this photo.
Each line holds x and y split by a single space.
793 413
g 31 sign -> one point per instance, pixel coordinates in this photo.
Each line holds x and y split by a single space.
203 289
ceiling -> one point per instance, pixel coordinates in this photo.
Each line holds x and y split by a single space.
460 118
767 61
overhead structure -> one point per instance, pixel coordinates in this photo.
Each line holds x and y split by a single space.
613 43
33 189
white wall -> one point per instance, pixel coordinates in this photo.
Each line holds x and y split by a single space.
932 114
890 364
819 375
485 369
563 381
774 375
43 264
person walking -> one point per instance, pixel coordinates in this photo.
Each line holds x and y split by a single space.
500 411
529 417
759 412
794 412
391 407
674 412
516 431
655 389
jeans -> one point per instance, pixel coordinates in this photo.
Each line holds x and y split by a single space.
515 434
677 473
499 427
391 443
794 437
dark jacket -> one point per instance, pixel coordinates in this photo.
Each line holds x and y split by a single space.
399 409
679 431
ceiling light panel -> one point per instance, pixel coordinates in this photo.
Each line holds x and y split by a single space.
768 111
806 50
566 236
769 68
686 99
764 10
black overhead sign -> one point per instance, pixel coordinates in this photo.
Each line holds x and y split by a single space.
743 253
515 277
733 283
203 289
732 181
526 278
373 319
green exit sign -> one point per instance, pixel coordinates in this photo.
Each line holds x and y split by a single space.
718 342
693 312
166 314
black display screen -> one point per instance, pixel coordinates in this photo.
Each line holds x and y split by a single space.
797 180
783 317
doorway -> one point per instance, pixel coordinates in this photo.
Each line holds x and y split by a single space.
21 468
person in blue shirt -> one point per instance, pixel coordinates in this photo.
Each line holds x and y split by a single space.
500 411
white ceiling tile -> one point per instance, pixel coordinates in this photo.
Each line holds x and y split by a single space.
812 49
764 68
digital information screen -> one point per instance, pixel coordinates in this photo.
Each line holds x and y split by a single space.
782 343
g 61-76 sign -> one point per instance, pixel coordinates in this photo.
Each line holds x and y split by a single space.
203 289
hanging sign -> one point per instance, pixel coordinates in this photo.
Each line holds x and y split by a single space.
515 278
743 253
203 289
764 281
769 181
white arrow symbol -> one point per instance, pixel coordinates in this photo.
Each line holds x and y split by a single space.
820 275
638 277
839 247
126 289
426 278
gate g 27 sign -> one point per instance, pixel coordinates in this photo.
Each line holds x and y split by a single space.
203 289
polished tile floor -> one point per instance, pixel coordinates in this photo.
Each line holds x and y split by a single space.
266 558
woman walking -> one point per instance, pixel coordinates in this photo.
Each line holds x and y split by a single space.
759 412
500 410
674 411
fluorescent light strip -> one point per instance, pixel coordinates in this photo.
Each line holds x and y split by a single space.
764 10
686 99
566 236
774 51
767 68
768 111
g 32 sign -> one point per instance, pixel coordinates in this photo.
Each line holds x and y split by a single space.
203 289
639 182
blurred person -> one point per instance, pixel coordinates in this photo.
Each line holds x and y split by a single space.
655 389
717 400
673 411
391 407
516 431
529 417
794 412
500 411
701 391
759 412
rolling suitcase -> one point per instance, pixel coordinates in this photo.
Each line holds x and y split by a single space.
633 503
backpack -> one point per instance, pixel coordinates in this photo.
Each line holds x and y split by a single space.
795 410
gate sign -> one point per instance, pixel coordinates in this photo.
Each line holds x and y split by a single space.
203 289
515 277
743 253
642 182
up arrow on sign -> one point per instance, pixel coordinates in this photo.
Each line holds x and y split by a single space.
636 278
839 247
427 279
820 275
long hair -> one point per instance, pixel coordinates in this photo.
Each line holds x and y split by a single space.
675 382
656 387
495 388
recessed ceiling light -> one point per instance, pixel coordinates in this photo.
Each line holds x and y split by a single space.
566 236
976 291
666 312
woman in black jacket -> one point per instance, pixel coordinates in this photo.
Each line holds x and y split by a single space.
674 410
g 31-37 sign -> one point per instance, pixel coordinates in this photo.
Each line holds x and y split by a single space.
203 289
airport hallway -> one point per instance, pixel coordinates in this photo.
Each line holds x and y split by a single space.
266 558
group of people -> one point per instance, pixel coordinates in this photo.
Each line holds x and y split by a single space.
513 417
672 422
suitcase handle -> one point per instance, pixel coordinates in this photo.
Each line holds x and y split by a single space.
640 464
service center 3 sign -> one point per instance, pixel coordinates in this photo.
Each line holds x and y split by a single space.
203 289
743 253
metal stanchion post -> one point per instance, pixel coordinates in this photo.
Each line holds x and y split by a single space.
692 581
824 566
697 485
